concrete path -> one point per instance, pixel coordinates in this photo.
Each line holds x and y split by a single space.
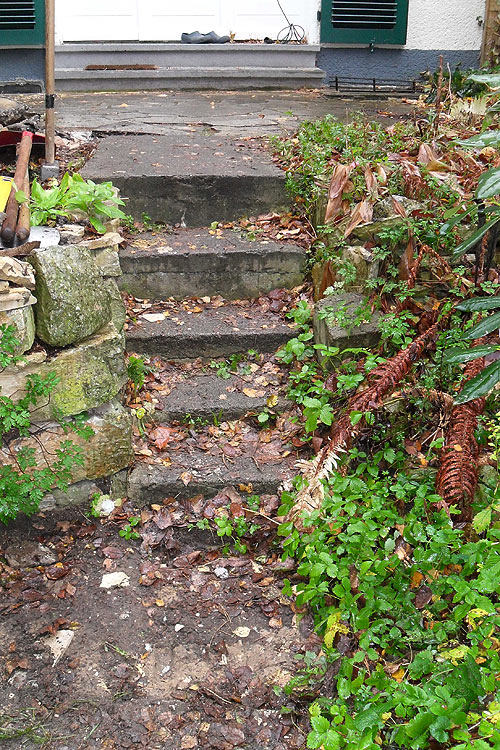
232 112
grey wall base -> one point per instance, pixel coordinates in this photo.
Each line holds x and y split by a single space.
383 63
22 70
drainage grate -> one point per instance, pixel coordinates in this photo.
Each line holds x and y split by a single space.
374 85
17 14
364 14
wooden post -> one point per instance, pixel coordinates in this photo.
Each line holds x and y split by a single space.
50 153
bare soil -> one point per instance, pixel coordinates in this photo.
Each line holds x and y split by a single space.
187 656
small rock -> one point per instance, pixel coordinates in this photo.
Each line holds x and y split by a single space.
222 573
178 627
29 555
59 643
71 233
115 580
241 632
11 111
17 272
110 239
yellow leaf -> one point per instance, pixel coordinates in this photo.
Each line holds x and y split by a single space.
398 676
458 448
416 579
160 603
272 400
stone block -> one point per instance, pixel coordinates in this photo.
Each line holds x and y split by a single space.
23 321
15 298
336 322
90 374
107 261
107 451
79 493
72 301
16 272
365 266
71 233
118 311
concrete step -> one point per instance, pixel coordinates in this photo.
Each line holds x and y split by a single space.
193 262
209 398
211 332
189 78
190 178
151 483
176 55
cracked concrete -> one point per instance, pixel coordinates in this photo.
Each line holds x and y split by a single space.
245 113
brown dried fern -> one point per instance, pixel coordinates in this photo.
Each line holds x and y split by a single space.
383 379
457 477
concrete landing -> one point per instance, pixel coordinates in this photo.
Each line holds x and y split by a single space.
197 263
232 112
213 332
189 178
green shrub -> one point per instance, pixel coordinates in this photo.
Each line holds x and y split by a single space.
22 483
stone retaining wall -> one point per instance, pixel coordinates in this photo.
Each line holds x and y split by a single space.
69 319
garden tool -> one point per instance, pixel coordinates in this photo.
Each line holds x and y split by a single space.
10 222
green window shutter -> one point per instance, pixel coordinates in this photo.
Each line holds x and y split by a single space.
22 22
364 21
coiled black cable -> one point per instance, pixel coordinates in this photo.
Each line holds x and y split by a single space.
290 33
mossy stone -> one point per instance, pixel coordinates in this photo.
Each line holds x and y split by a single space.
72 302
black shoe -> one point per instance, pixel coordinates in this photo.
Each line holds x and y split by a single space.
193 38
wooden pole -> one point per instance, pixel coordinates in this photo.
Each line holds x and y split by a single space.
50 90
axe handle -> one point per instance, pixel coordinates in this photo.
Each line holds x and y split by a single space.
23 157
23 219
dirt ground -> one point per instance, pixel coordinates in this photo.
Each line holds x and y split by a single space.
188 655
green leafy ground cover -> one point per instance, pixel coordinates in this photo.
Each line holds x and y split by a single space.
405 597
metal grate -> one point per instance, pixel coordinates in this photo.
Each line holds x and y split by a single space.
17 14
343 84
364 14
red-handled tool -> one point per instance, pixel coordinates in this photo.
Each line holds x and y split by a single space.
11 211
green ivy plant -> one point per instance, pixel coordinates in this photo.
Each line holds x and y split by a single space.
407 605
23 483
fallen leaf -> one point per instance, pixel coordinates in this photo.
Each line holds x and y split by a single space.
186 477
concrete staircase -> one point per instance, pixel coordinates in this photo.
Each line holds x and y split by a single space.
211 295
184 66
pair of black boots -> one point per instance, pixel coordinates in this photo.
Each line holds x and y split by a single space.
196 38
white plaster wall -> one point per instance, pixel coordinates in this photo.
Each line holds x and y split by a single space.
445 24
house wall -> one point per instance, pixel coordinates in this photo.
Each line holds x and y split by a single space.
22 69
163 20
435 27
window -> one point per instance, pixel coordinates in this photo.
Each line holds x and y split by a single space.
22 22
364 21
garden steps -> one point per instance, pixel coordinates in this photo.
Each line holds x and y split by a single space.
190 474
201 262
190 177
207 331
210 398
